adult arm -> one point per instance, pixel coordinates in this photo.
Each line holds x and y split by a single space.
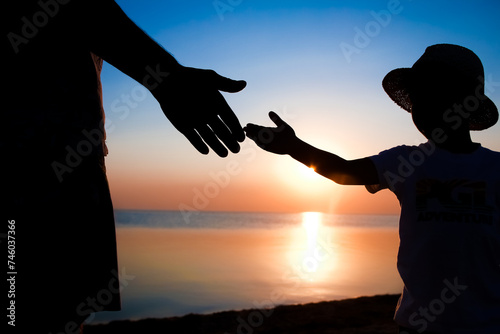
190 98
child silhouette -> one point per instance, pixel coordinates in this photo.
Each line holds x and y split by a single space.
448 189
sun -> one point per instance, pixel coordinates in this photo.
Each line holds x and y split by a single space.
307 176
302 182
307 172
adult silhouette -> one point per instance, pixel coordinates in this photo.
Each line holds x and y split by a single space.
52 143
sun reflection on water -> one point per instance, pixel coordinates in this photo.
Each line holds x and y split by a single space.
311 221
312 254
181 270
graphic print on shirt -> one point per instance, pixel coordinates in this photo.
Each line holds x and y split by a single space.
453 201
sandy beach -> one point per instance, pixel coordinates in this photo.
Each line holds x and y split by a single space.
370 315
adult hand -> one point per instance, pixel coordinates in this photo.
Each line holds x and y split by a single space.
278 140
191 100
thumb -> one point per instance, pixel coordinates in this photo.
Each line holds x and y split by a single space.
229 85
276 119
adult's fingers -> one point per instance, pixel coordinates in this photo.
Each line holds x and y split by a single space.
226 114
232 123
222 132
211 140
195 140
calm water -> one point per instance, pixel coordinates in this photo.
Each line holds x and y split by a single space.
176 263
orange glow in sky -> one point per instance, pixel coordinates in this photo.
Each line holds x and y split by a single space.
289 53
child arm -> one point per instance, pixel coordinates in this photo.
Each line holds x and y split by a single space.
282 140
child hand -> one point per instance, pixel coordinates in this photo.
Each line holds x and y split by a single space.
276 140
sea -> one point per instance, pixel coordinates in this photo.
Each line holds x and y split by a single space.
172 263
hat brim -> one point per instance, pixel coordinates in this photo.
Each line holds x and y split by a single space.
485 116
397 82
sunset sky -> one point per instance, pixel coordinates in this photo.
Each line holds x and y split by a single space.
318 64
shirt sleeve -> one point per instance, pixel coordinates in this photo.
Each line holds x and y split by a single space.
387 164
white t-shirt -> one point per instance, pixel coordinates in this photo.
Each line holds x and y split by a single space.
449 252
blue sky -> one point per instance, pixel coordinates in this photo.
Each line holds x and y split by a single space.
291 54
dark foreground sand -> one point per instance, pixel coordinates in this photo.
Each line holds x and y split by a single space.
370 315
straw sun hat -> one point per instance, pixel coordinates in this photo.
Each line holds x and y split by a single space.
444 69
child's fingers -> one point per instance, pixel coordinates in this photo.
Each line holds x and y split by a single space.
252 130
276 119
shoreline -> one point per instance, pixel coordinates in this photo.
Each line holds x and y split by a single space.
371 314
